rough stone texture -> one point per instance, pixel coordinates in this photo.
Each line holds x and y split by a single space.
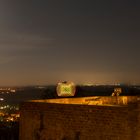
53 121
95 100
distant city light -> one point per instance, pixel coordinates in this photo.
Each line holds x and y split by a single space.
1 99
7 90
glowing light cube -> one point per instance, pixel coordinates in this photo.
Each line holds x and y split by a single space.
66 89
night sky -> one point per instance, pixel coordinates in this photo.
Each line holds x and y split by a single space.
84 41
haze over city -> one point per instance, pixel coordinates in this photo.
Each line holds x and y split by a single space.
47 41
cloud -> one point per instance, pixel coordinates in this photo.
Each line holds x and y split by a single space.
18 43
16 38
6 59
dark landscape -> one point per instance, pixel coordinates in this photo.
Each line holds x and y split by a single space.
9 129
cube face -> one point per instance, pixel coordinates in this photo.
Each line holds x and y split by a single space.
65 89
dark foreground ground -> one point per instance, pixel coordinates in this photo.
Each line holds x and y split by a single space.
9 130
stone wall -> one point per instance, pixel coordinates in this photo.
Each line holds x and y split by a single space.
94 100
41 120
